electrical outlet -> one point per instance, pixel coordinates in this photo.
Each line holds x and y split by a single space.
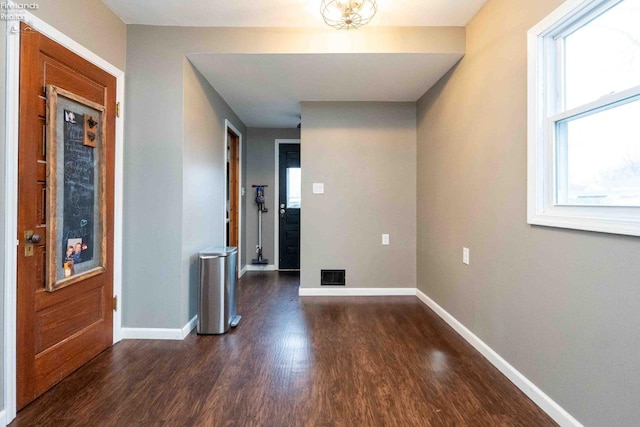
465 255
385 239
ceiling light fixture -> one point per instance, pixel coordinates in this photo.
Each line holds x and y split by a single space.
347 14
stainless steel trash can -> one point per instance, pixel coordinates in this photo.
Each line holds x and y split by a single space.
217 290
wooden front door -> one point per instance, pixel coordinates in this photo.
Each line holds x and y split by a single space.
57 332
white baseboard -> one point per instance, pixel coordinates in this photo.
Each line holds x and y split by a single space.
186 329
270 267
355 292
151 334
545 403
244 270
3 418
159 333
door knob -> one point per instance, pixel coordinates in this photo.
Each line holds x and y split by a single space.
35 238
281 213
30 239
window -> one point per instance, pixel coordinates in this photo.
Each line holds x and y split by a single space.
294 188
584 117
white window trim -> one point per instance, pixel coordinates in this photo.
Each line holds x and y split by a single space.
541 207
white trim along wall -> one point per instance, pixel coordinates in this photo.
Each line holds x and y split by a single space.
160 333
341 291
276 198
538 396
12 103
251 267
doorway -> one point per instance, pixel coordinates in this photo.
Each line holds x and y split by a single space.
233 189
288 204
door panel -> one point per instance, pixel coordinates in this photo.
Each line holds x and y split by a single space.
289 206
57 332
60 321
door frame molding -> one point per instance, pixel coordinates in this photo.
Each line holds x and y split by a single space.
228 126
12 104
276 199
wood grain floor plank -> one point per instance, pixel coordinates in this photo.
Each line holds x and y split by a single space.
356 361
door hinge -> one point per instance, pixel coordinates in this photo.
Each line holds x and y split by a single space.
115 303
117 109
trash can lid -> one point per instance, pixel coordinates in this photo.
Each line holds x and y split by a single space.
221 251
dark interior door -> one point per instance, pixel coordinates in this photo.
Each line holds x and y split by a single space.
289 206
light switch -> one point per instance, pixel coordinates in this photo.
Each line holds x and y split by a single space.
385 239
318 188
465 255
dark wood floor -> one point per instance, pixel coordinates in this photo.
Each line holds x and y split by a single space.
379 361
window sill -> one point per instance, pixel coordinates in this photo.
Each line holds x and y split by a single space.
626 226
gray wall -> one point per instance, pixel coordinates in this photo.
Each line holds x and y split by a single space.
365 154
89 23
174 182
261 170
203 178
153 282
561 306
152 217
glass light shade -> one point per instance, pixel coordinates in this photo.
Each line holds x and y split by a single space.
347 14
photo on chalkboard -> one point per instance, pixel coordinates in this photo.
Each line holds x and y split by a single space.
76 216
68 263
77 247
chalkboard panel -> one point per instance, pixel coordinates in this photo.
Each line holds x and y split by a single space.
75 218
79 191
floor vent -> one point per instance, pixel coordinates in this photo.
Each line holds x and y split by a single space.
332 277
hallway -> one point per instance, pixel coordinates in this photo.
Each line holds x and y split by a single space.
373 361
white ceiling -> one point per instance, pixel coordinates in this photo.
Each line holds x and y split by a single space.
287 13
265 90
